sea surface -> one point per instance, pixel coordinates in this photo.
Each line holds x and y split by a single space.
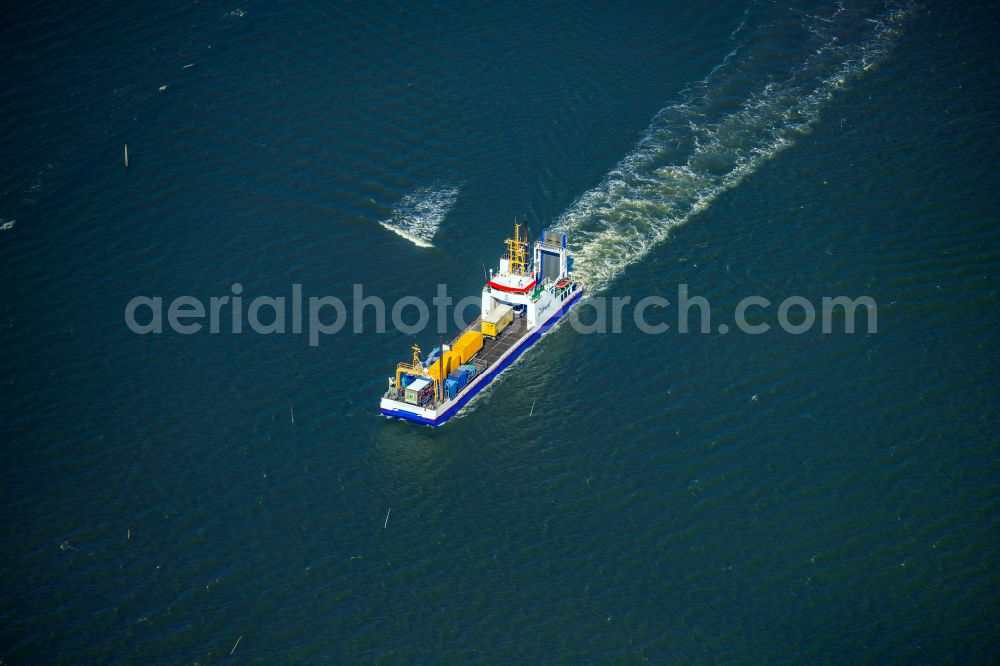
614 498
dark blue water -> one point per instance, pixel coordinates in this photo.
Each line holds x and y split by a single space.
616 498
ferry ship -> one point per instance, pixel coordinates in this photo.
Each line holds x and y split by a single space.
520 303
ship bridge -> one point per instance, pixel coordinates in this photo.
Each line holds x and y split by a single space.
528 288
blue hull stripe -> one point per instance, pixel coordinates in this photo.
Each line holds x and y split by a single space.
490 376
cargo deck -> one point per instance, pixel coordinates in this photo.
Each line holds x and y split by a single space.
494 349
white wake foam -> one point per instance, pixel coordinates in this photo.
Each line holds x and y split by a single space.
750 107
419 214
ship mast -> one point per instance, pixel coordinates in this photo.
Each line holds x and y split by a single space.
441 369
517 250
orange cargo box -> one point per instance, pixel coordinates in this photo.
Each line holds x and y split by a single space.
452 360
467 345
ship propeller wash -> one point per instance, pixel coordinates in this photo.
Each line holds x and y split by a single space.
521 301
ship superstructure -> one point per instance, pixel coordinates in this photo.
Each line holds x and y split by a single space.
530 291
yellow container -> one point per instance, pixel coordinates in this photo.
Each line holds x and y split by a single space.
467 345
451 359
496 321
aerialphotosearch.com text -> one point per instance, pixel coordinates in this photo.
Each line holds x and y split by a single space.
319 316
